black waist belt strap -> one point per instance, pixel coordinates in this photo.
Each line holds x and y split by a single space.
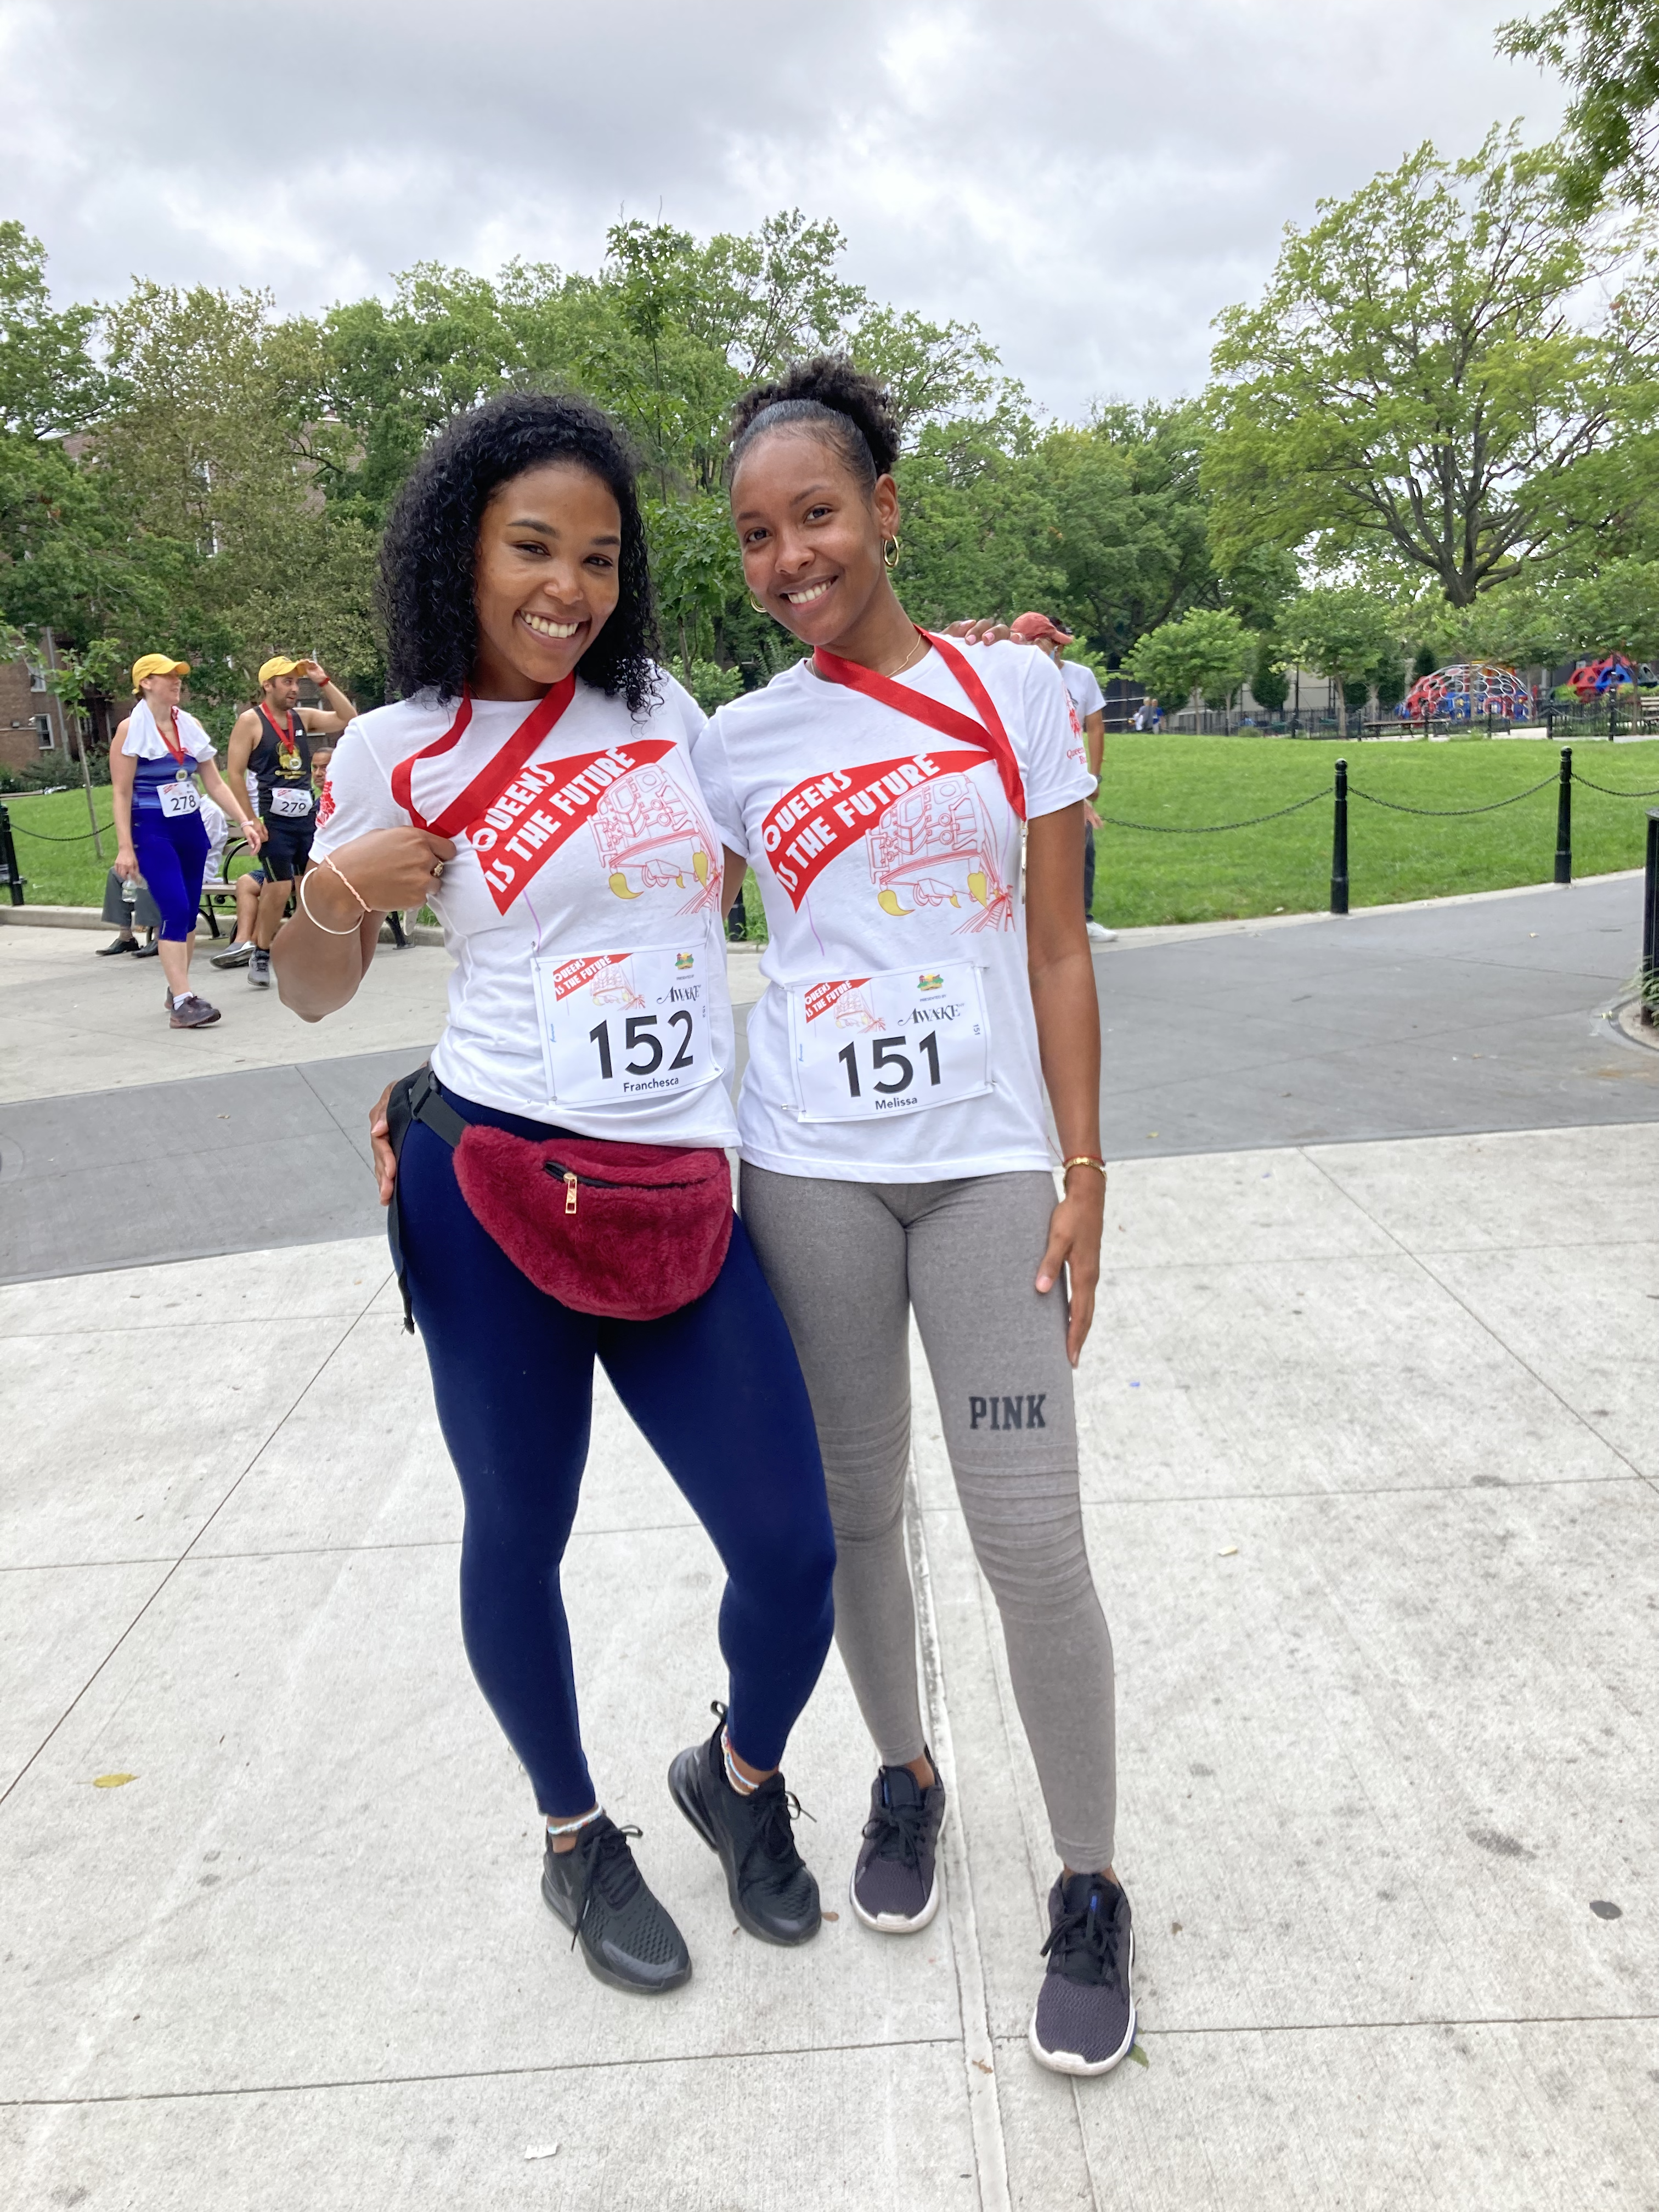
417 1097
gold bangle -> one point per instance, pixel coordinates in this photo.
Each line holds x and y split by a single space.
1079 1160
351 928
328 861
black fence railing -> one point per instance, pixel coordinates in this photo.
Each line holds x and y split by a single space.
1617 715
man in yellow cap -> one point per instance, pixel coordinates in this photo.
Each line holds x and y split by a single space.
271 744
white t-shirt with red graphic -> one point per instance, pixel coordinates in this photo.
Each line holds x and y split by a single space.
895 1042
1084 686
581 907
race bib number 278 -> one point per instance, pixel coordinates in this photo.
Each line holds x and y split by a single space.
896 1043
624 1029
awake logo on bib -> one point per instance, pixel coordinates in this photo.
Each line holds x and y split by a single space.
931 840
649 837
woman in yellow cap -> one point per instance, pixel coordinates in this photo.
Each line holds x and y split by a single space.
155 760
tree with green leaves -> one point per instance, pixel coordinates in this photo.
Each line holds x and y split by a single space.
1344 633
1608 50
1207 654
1422 387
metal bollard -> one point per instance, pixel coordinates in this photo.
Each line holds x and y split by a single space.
1340 842
1564 820
1651 923
11 873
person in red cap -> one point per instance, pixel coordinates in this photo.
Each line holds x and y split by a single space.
1089 714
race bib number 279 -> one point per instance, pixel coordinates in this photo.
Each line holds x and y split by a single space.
624 1029
870 1045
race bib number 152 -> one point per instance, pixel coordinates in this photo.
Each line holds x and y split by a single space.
624 1029
897 1043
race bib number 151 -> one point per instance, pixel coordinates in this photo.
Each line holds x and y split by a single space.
624 1029
897 1043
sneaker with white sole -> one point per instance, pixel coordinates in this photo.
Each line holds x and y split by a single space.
895 1885
259 968
1100 933
234 956
1085 2021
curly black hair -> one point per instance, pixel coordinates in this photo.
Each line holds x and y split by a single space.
425 587
826 394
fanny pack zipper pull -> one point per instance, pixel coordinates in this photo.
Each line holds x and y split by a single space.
569 1191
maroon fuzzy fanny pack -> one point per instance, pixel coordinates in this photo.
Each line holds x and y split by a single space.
629 1232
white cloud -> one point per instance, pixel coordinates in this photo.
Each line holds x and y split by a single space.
1090 183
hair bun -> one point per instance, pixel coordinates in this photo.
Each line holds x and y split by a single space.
831 381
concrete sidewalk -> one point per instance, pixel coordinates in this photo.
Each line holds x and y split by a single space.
1370 1490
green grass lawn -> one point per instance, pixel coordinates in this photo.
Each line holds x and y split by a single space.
1146 878
1142 877
66 873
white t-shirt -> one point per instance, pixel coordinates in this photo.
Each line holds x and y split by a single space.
582 909
145 742
895 1042
1083 685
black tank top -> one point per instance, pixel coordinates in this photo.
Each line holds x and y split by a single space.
277 759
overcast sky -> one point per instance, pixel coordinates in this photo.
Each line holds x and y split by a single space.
1090 180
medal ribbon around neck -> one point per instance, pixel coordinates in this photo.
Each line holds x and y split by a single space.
987 734
492 780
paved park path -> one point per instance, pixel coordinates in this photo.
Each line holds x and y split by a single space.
1372 1490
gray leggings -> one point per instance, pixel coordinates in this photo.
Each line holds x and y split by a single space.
845 1261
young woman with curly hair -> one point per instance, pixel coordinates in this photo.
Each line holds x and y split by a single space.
534 785
895 1138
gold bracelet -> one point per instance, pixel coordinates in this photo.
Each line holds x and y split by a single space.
328 861
351 929
1079 1160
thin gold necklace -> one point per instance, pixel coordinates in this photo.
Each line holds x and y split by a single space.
912 659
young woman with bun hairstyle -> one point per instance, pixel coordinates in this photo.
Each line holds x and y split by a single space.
895 1139
557 1181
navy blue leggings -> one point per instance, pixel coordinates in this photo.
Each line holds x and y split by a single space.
172 853
716 1392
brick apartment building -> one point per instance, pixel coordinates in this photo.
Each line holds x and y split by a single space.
35 731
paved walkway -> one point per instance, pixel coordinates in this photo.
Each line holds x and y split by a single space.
125 1141
1372 1492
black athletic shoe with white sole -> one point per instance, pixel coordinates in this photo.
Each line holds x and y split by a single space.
771 1887
1085 2021
895 1886
627 1937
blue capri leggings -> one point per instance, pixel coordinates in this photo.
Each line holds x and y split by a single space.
716 1392
173 852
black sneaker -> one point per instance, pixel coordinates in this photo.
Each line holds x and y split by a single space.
118 945
895 1886
627 1938
259 968
771 1888
1085 2021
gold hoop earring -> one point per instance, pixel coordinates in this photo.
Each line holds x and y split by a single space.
757 606
889 554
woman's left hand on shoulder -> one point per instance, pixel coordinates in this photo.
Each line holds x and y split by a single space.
1074 1229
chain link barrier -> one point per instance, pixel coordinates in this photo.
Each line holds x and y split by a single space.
43 837
1445 813
1607 791
1214 829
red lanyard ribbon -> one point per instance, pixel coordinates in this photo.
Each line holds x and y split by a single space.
986 735
492 780
283 736
175 743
